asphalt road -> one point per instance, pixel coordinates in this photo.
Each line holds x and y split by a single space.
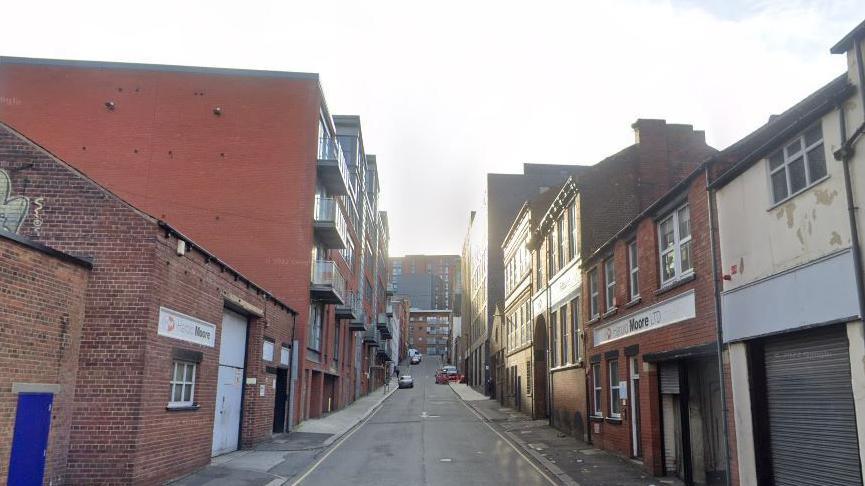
423 436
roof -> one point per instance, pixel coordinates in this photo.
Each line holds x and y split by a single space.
157 67
162 224
756 145
845 44
24 241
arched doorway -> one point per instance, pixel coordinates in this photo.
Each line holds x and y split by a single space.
539 369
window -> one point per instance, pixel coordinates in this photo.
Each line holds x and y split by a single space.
182 384
529 378
315 322
553 340
267 350
575 330
610 282
561 251
336 341
674 234
283 355
572 225
596 383
563 324
593 293
634 270
615 403
552 255
800 164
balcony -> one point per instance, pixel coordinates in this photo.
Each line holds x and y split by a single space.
358 323
384 326
329 223
390 289
327 284
332 170
370 337
350 309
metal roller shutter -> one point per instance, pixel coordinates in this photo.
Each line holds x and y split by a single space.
812 422
670 377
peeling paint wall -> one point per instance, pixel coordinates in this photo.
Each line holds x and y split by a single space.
759 239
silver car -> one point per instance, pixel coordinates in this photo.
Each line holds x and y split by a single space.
406 381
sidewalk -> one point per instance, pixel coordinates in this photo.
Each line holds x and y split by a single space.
278 460
571 460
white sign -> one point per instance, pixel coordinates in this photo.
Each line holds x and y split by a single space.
539 305
662 314
565 286
175 325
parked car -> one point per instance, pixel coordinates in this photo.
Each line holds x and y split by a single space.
406 381
441 377
415 359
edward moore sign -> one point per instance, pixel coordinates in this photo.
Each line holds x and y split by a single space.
175 325
662 314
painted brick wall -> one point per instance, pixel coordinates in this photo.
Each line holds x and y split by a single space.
693 332
121 430
41 315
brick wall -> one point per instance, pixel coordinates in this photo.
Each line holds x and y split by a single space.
41 315
690 333
121 430
568 401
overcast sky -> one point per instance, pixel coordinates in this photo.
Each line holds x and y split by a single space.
450 90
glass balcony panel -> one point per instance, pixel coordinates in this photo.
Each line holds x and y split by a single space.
332 168
330 226
328 284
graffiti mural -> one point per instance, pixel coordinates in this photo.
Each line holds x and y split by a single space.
13 209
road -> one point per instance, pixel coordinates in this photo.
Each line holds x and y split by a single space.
423 435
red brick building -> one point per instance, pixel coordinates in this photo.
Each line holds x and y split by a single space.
248 163
41 316
178 350
651 341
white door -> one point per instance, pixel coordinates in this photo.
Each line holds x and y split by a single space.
635 408
229 387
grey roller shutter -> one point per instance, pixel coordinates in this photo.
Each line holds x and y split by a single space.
812 422
670 377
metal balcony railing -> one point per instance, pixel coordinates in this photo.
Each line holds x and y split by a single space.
328 285
332 167
330 224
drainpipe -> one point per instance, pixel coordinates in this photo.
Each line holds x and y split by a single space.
719 331
291 376
845 156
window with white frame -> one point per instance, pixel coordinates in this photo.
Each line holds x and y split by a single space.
615 403
316 316
594 310
563 325
529 377
634 270
562 240
575 330
573 249
596 384
674 236
267 350
554 340
182 384
798 165
610 282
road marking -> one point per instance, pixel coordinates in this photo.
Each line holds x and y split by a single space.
336 446
531 463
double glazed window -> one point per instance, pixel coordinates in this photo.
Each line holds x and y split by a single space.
594 311
798 165
182 384
615 402
596 385
316 317
610 282
674 236
633 270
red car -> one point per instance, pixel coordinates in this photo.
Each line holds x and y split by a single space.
441 377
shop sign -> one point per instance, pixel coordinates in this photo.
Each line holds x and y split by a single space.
662 314
565 286
175 325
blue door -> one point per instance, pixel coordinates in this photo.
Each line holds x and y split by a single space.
30 439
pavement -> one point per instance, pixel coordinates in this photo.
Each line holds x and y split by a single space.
570 460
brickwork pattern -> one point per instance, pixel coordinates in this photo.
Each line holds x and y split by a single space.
41 316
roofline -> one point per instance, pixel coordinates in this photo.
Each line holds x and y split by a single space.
844 44
24 241
83 64
171 231
514 224
800 123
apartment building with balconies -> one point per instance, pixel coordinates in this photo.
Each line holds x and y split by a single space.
251 164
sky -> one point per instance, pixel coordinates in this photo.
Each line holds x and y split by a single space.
449 91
